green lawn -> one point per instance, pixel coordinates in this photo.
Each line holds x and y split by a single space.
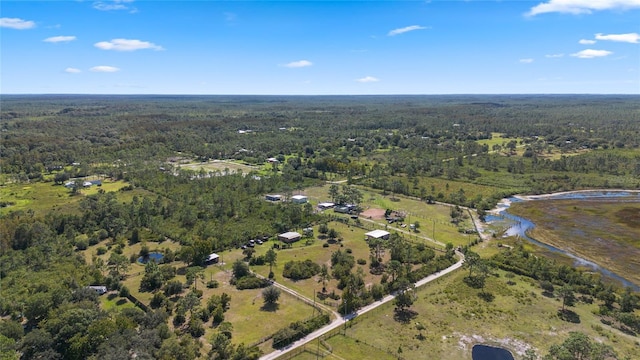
219 165
353 238
43 197
341 347
427 215
112 301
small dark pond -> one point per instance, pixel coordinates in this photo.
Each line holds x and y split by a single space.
485 352
155 256
518 226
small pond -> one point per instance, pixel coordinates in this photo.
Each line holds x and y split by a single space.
485 352
155 256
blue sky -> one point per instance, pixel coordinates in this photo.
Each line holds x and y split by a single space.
320 47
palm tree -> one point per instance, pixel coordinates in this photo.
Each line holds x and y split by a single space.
270 257
324 277
394 267
248 252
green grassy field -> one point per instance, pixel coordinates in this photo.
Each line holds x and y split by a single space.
341 347
42 197
429 216
353 238
112 301
219 165
455 318
497 139
246 305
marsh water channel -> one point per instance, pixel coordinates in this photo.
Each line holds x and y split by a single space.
519 226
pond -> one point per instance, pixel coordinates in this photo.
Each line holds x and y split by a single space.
518 226
485 352
155 256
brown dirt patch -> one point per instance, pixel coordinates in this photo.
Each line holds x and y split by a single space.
375 214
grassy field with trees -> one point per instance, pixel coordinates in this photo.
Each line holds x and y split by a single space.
90 184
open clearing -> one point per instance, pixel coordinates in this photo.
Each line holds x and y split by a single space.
42 197
434 219
455 318
219 166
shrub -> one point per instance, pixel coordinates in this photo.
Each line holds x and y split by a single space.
195 327
93 240
362 261
157 300
173 287
546 285
251 282
82 244
213 284
101 250
124 292
298 270
197 292
298 330
271 294
179 319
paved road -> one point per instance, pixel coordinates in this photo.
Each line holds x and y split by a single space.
341 320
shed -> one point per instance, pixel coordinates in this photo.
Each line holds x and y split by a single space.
299 199
377 234
99 289
341 209
289 237
273 197
212 259
326 205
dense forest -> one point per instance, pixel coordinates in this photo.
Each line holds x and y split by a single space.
465 150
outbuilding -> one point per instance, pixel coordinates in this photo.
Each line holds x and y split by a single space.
101 290
378 234
299 199
273 197
326 205
289 237
212 259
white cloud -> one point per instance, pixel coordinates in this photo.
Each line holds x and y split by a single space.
368 79
586 42
104 68
71 70
582 6
126 45
16 23
57 39
590 54
551 56
113 5
403 30
298 64
633 38
526 61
